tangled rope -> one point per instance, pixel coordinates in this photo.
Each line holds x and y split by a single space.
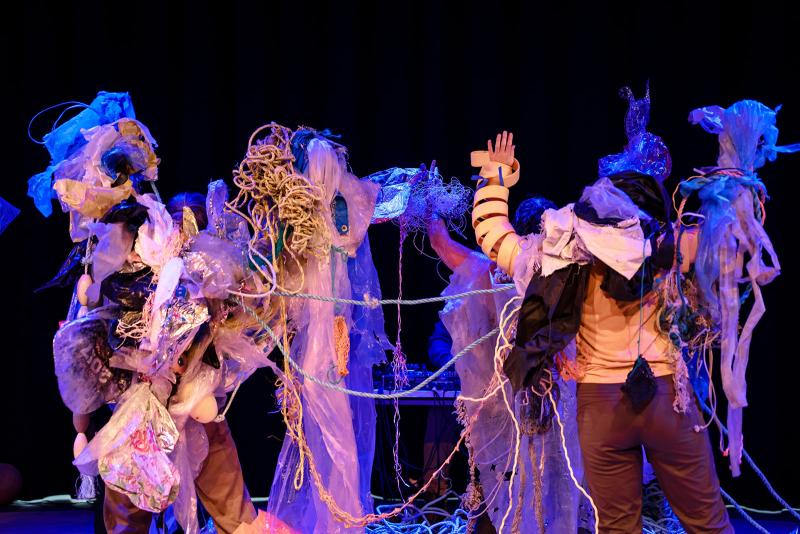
279 204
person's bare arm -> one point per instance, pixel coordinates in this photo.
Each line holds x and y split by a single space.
451 252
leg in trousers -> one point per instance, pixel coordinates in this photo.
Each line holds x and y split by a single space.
121 516
220 484
684 464
612 456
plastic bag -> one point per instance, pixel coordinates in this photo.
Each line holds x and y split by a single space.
81 353
130 451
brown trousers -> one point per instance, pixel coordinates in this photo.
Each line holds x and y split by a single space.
612 435
220 487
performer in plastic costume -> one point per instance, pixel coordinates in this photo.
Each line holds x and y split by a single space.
541 483
599 261
219 482
732 252
144 312
339 429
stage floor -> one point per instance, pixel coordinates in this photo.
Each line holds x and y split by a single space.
59 516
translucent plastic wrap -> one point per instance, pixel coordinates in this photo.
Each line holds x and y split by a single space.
215 265
645 152
81 353
241 354
608 201
188 456
182 319
130 451
223 223
733 246
342 450
198 382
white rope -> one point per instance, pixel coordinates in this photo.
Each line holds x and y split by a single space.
373 302
569 464
365 394
221 417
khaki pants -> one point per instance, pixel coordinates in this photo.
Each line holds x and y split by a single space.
220 487
612 435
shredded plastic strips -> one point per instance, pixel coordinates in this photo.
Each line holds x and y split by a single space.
733 244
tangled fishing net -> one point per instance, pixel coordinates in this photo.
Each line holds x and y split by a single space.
412 197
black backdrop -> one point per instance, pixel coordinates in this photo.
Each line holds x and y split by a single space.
403 84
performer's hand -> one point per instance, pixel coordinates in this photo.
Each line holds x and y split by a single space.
503 151
423 173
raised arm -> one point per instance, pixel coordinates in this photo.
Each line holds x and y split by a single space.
493 230
451 252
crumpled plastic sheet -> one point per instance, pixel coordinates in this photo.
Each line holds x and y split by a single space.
89 200
188 456
40 189
182 318
67 138
128 289
394 193
82 183
242 356
492 437
159 239
328 416
114 244
215 265
747 133
224 224
8 213
105 108
81 354
415 203
609 201
130 451
199 381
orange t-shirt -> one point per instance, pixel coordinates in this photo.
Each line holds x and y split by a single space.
608 337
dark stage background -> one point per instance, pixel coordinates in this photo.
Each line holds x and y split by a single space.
404 85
